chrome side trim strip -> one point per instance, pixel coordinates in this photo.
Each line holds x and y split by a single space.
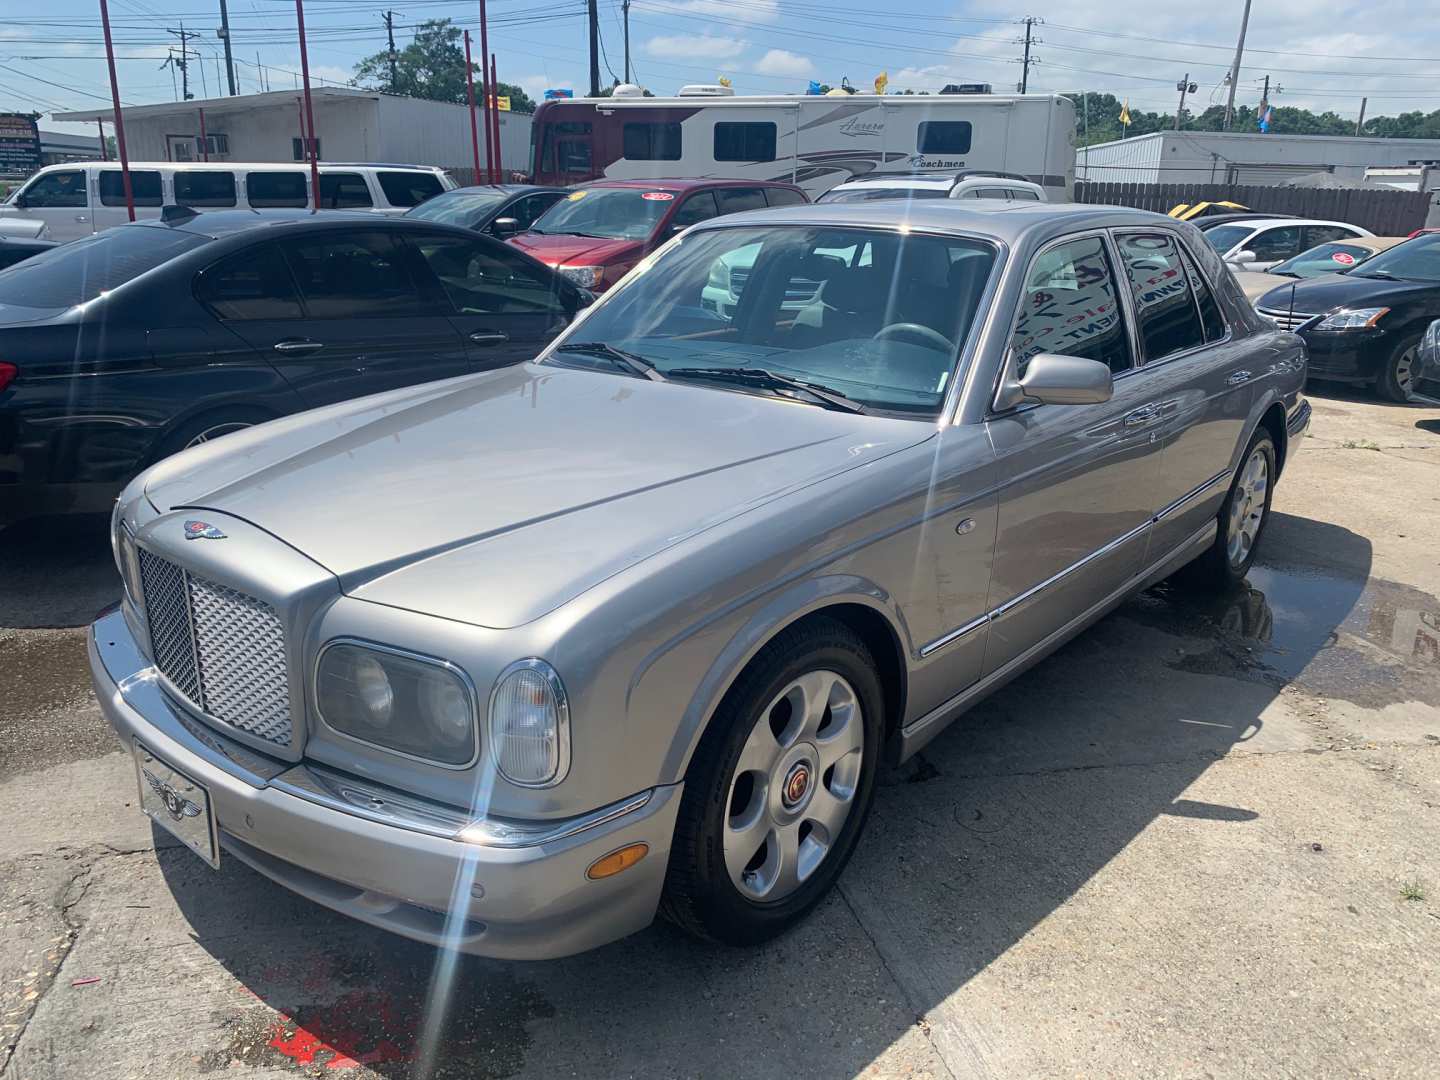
1055 578
1192 495
953 635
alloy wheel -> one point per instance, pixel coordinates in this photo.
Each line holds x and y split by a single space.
1247 507
1405 369
794 786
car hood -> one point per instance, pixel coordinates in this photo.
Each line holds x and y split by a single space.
562 249
1322 294
496 498
1255 284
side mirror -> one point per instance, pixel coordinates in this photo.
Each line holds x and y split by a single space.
1243 256
21 200
1053 379
505 226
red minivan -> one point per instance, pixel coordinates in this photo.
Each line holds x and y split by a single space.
599 231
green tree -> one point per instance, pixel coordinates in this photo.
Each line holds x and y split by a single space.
432 66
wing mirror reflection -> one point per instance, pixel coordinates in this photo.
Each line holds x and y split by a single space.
1244 256
505 226
1055 379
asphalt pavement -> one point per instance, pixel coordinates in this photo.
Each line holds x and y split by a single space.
1199 841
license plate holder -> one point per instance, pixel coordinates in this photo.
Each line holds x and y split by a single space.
177 803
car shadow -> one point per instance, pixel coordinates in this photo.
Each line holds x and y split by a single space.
58 572
995 826
1432 426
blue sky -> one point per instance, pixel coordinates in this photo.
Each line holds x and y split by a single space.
1323 53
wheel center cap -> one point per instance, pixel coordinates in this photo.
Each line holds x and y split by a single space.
797 784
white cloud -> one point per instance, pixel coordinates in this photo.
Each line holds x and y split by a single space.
693 47
749 11
781 62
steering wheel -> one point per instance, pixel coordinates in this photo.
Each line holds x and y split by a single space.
914 332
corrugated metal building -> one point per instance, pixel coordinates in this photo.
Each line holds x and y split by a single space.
1215 157
352 125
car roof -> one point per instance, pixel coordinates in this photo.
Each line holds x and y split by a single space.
1002 220
683 183
504 189
218 223
180 166
1273 222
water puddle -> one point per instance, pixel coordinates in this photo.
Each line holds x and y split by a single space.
1371 642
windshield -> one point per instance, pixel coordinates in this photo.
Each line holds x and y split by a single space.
78 272
458 207
1224 237
874 315
1325 259
865 194
612 213
1414 260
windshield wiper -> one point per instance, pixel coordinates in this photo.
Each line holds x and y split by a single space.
1285 273
772 380
1384 275
627 361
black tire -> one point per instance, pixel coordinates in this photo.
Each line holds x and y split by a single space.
1217 568
1396 380
202 428
699 894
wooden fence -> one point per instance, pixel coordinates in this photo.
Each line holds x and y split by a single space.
1385 213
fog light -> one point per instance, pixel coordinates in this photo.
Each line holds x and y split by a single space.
616 861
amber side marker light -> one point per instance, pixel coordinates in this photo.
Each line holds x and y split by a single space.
616 861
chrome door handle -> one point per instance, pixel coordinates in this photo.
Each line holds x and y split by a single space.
298 345
81 217
1143 415
1238 377
489 337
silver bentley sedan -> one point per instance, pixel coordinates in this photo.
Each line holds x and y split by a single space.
512 662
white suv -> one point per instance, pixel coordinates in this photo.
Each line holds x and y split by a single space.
966 184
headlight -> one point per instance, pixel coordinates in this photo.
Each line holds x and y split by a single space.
530 725
587 277
127 558
1352 319
413 705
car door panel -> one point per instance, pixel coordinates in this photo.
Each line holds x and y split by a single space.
62 201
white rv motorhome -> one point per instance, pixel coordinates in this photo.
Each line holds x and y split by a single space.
813 141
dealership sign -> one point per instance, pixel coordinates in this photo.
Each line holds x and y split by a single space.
19 143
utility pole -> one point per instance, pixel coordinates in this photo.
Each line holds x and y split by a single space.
1235 68
487 92
625 16
1185 86
390 37
184 62
229 59
1029 21
470 100
1360 123
593 13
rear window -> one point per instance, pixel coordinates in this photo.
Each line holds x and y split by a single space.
205 188
265 189
344 191
78 272
144 185
868 193
409 188
944 137
784 197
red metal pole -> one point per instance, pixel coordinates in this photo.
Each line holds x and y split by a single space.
495 119
311 140
485 91
470 95
119 119
204 142
100 127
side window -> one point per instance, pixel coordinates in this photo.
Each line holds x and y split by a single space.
651 142
300 149
1315 235
253 284
574 155
744 141
1272 244
1070 306
733 200
144 185
528 210
57 189
1210 317
992 193
944 137
204 188
480 279
354 275
344 191
698 207
779 196
1024 195
1168 319
265 189
409 188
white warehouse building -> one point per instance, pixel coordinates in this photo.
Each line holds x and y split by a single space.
352 125
1229 157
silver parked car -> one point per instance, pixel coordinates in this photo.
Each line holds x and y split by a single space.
512 661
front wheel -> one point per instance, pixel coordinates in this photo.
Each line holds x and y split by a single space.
1396 381
779 788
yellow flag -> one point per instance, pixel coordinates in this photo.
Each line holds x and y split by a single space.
881 81
1125 113
502 103
723 81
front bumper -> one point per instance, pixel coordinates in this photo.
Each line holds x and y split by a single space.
392 860
1347 354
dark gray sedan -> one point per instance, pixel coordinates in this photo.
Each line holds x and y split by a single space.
511 663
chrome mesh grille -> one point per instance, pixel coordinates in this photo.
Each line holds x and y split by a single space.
1286 320
223 650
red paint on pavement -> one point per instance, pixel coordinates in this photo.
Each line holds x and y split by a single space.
361 1028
